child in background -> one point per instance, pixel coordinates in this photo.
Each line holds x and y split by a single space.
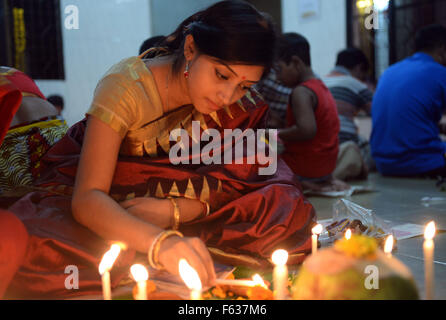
311 134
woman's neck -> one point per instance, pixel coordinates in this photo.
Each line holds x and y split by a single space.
172 87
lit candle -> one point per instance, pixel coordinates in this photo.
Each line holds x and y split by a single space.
105 266
258 281
317 229
388 246
191 279
280 274
140 275
428 249
348 234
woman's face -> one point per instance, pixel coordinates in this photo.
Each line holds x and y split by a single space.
213 83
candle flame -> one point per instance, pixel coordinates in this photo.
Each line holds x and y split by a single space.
280 257
348 234
317 229
189 275
429 231
109 258
139 272
258 281
388 246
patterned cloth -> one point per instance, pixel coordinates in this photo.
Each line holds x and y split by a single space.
22 150
275 94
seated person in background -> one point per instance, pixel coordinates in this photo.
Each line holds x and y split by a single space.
345 83
311 135
28 128
58 102
407 108
33 104
276 96
151 43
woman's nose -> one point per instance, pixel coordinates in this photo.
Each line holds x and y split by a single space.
225 95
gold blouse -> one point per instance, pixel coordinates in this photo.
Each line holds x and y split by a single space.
126 97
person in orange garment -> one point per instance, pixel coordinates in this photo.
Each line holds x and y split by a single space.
311 135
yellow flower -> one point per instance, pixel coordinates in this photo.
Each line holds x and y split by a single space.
259 293
358 246
218 292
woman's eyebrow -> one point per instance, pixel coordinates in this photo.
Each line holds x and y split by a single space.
225 64
230 69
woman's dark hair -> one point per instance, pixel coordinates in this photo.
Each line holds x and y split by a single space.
232 31
150 43
430 37
351 57
294 44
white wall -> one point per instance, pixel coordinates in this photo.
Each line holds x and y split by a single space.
325 31
168 14
109 31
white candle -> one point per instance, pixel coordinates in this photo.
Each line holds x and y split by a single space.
317 229
388 246
280 274
191 279
140 275
105 266
106 289
428 249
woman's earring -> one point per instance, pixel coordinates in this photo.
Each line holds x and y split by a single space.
186 71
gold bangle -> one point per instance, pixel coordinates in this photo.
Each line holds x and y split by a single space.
207 208
156 245
176 214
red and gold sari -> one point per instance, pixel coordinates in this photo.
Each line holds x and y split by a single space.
250 215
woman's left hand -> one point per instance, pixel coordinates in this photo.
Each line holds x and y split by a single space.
158 212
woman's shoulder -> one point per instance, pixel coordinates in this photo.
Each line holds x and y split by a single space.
127 92
129 69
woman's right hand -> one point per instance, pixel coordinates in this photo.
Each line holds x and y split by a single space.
194 251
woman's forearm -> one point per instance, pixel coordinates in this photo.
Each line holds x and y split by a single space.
100 213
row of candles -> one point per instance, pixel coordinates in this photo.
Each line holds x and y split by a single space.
280 271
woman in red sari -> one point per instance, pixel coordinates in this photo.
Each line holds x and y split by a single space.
126 188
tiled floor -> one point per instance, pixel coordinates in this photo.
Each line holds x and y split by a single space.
399 200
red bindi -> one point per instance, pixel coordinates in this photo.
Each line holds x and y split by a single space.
243 78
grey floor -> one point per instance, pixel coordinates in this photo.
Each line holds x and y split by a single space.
399 200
